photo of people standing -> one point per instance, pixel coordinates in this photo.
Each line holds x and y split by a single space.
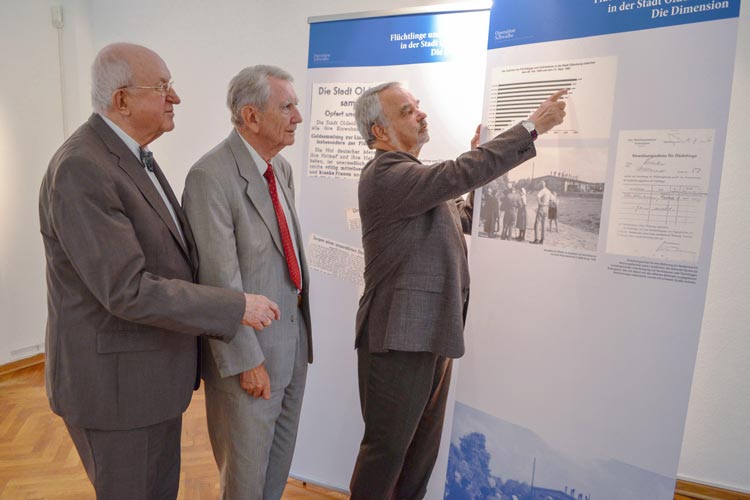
530 197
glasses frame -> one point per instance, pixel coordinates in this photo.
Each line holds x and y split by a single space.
163 88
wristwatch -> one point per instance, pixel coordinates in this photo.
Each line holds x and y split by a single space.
529 125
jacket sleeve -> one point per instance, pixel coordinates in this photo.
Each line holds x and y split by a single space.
211 218
420 188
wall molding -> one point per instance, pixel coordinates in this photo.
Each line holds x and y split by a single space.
21 364
705 492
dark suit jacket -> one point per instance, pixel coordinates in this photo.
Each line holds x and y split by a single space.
416 271
123 315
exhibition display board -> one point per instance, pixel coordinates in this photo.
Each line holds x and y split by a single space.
580 350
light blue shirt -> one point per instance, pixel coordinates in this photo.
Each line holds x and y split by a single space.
135 148
260 163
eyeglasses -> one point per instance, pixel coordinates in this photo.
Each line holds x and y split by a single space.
163 88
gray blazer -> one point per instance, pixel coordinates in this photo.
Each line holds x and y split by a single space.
123 314
416 270
236 231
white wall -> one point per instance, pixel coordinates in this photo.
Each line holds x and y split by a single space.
30 131
716 445
204 44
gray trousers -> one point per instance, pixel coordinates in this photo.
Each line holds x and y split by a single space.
135 464
252 438
403 397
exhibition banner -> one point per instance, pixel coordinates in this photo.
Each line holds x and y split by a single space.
590 262
440 58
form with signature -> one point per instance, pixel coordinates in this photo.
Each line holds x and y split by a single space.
659 193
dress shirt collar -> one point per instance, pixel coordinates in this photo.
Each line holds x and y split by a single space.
260 163
131 143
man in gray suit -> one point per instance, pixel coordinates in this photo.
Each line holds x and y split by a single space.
123 312
411 315
239 199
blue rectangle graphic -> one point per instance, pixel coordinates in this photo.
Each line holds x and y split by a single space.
391 40
534 21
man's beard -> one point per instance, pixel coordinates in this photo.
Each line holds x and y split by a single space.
423 136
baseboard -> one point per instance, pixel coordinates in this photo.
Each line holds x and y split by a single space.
705 492
318 483
21 364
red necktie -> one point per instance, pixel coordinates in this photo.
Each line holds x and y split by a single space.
286 239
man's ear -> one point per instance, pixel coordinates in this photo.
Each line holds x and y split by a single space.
121 102
379 132
251 118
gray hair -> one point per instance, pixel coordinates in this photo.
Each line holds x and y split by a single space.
369 112
110 71
251 88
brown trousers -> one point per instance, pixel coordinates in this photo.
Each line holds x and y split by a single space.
134 464
403 397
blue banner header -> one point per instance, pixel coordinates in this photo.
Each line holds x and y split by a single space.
514 22
392 40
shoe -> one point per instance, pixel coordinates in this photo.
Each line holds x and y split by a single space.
535 242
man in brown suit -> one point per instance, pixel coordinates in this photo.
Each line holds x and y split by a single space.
411 315
123 312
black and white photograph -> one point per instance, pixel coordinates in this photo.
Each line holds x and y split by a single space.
553 200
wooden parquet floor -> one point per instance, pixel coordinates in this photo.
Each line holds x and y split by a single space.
38 460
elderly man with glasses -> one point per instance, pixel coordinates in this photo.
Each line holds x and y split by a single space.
124 314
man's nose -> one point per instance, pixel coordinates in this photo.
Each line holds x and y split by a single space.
173 97
296 116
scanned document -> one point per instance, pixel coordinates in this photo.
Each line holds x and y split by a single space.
518 90
336 147
659 195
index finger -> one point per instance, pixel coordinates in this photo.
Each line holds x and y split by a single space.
557 95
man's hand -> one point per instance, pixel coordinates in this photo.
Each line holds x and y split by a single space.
550 113
259 311
256 382
475 139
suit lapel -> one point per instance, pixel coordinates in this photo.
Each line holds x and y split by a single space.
186 244
257 190
130 164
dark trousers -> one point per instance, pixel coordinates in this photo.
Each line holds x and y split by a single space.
403 397
134 464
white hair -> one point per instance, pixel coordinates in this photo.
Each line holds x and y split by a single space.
110 71
251 88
